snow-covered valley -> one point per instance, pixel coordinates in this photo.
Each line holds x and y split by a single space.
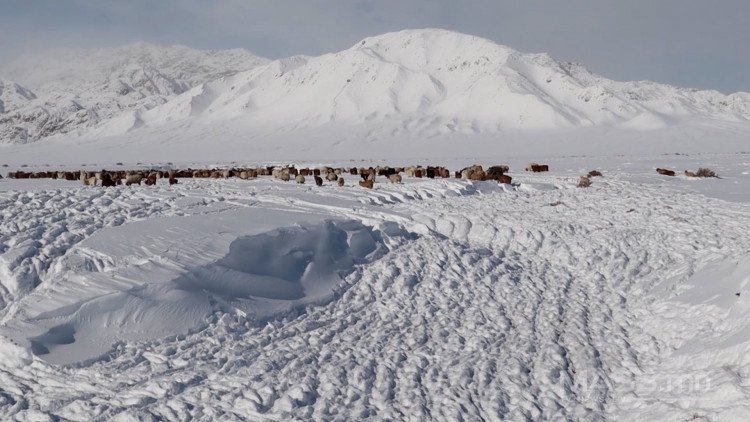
441 299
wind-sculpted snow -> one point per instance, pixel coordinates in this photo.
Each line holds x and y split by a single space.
451 300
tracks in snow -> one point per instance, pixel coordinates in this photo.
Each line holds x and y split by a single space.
503 308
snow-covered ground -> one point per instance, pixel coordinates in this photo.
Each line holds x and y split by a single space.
439 299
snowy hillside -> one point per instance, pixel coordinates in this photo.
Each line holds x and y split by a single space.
429 82
72 90
412 84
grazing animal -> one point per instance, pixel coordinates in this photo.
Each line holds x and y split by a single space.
504 178
90 181
367 183
595 173
537 168
665 172
689 173
409 171
584 182
395 178
133 178
353 171
341 181
495 172
107 180
305 172
418 173
318 180
151 179
331 177
300 179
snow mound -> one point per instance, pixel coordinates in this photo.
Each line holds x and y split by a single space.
261 276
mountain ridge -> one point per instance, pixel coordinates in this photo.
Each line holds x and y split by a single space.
415 83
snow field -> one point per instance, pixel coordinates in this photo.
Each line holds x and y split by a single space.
484 302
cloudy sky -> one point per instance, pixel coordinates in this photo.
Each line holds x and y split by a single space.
693 43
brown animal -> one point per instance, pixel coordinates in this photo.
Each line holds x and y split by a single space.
107 180
318 180
304 171
537 168
341 181
172 178
595 173
665 172
504 178
494 172
367 184
353 171
584 182
151 179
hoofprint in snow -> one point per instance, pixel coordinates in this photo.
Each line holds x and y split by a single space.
439 299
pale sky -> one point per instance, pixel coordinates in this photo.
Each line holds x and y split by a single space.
691 43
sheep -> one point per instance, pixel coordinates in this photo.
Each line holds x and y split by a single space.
331 177
584 182
132 178
367 183
395 178
300 179
318 180
409 171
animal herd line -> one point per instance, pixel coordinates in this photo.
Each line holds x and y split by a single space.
367 175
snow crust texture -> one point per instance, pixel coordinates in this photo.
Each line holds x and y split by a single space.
437 299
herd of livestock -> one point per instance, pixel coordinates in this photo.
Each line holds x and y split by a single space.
286 173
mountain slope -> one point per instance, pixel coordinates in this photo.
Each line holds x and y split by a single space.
72 90
410 92
428 82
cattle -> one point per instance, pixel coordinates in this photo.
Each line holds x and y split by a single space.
304 172
316 172
318 180
584 182
341 181
504 178
367 184
665 172
395 178
353 171
537 168
300 179
293 171
172 178
418 173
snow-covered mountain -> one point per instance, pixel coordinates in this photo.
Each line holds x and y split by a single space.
387 91
72 90
437 81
